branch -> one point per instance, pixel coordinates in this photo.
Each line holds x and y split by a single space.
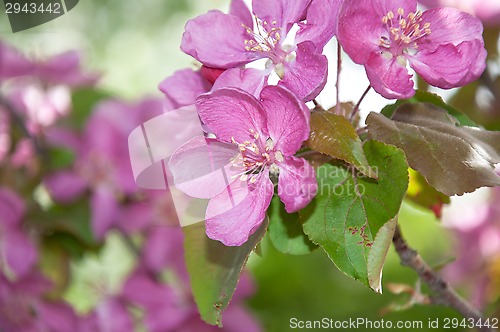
445 295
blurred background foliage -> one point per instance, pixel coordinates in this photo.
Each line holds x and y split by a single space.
135 44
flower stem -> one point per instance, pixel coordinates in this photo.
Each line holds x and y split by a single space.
338 109
445 295
356 108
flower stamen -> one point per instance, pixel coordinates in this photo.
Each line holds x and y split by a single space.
404 32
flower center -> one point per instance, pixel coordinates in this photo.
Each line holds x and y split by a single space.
404 33
265 37
256 155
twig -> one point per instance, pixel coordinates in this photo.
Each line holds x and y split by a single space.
444 294
337 84
317 106
356 108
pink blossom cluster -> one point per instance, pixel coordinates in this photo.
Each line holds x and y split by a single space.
252 129
39 201
476 228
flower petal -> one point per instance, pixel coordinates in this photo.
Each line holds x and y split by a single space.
237 319
183 87
321 23
306 76
156 299
284 12
231 112
134 217
211 74
113 316
450 26
287 119
65 186
161 249
239 8
389 78
19 252
297 184
201 168
65 68
360 29
451 66
381 7
206 38
237 212
12 208
56 316
250 80
12 62
104 210
141 289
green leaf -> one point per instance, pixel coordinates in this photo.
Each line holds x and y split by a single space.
349 215
428 97
378 252
334 136
453 159
72 219
215 269
423 194
60 158
83 101
285 230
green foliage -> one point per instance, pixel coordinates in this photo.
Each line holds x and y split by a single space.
215 269
334 136
423 194
350 215
60 158
285 230
441 150
83 101
69 226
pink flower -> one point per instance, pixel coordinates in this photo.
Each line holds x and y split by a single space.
5 140
444 46
103 165
488 11
13 63
24 308
255 140
476 227
225 41
17 253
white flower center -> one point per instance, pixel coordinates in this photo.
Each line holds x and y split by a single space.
256 155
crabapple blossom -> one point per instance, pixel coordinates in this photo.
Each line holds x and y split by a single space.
298 63
443 45
17 253
254 141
